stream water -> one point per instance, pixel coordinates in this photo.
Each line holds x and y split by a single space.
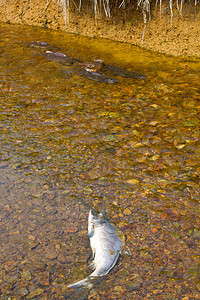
69 144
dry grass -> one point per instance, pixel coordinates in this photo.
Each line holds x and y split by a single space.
108 6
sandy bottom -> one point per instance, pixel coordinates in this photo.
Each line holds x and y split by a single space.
179 37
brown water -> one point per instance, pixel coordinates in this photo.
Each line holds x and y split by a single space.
69 144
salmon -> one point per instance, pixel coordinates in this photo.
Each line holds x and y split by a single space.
106 247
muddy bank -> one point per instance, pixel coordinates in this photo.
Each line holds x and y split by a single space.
179 38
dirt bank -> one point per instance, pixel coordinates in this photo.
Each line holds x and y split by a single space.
179 37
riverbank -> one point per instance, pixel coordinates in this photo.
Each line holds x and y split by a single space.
178 36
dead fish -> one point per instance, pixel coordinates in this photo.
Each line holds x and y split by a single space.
56 54
41 45
97 77
124 73
38 44
94 66
60 58
106 247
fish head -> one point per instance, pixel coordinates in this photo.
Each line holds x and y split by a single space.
95 218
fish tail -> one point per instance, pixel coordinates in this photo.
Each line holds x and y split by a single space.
87 282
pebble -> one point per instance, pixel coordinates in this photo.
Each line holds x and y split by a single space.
35 293
153 123
198 286
154 157
22 292
115 203
127 212
135 144
44 278
135 283
133 181
196 234
26 275
87 191
118 289
51 254
71 229
3 164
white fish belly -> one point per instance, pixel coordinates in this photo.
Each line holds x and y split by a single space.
106 247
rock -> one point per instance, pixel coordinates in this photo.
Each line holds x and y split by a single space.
127 212
154 157
51 254
133 181
87 191
40 266
118 289
134 144
198 286
22 292
71 228
35 293
62 259
44 278
196 234
164 88
135 283
153 123
26 275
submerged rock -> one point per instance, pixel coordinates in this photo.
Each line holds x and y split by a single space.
33 294
26 275
135 283
22 292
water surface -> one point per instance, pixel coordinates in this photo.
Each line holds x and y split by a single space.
69 144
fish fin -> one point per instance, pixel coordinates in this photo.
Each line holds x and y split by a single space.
88 282
91 231
81 283
92 265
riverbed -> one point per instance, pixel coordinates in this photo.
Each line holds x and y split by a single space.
70 144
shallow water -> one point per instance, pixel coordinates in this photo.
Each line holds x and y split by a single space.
69 144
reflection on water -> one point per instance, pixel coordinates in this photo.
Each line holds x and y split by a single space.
69 144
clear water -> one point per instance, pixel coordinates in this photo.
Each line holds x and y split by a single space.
69 144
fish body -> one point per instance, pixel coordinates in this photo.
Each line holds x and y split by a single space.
94 66
124 73
97 76
38 44
60 57
106 247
